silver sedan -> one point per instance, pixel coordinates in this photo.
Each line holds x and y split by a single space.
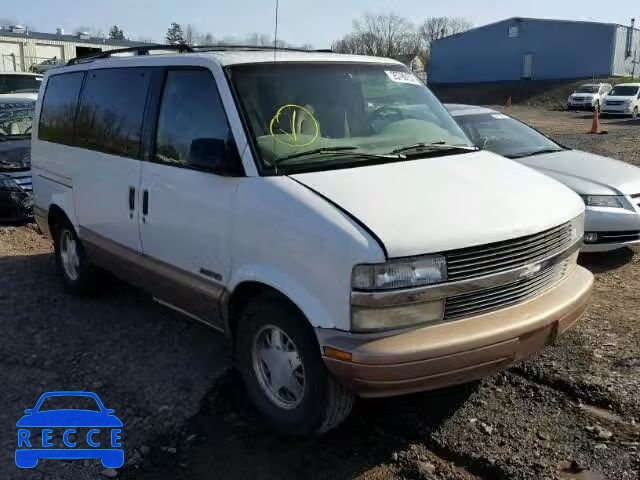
609 188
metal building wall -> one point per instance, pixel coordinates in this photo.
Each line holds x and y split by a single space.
560 50
623 65
27 54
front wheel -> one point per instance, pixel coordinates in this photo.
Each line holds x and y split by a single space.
634 114
281 365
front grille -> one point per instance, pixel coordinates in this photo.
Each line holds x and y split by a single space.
613 103
511 293
578 99
23 179
617 237
497 257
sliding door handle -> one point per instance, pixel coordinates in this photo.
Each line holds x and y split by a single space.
145 202
132 198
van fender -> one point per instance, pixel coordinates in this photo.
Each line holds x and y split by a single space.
306 301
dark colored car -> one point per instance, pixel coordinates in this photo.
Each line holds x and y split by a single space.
16 118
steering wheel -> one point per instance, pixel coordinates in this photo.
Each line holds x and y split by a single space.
387 113
28 129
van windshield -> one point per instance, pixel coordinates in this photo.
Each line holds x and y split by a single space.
312 116
587 89
14 83
623 91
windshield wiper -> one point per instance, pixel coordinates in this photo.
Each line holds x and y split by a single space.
315 151
534 152
419 148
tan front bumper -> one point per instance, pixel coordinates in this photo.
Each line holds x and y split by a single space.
458 351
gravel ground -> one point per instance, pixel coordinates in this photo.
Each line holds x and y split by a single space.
572 412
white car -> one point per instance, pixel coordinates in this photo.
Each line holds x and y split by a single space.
19 85
624 99
610 188
588 96
344 249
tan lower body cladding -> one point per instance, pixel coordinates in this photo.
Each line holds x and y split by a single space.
459 351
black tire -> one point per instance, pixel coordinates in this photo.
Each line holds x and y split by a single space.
325 403
634 114
597 106
86 281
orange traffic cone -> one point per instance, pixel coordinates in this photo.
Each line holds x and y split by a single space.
508 104
595 126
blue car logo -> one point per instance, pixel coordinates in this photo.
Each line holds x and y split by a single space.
78 425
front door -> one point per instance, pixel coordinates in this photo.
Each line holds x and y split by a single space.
188 212
109 130
527 66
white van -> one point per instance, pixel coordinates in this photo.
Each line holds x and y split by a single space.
624 99
323 210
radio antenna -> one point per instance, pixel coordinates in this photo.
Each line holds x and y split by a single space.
275 32
275 51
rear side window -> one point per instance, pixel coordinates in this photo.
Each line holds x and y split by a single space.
192 119
112 110
58 111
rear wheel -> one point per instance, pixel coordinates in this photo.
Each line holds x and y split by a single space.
282 369
78 275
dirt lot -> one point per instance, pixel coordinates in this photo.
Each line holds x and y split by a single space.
573 412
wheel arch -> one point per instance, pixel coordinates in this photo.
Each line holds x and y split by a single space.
240 297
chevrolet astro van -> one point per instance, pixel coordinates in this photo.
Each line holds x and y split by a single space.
323 210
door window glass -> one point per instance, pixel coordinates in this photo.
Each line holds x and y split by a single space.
192 124
58 111
112 110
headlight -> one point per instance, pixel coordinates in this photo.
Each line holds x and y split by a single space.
398 316
611 201
400 273
577 227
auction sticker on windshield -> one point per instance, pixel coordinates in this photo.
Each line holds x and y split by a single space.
402 77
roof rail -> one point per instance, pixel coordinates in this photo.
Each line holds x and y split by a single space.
223 47
142 50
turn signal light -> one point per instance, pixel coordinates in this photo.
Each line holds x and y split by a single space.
338 354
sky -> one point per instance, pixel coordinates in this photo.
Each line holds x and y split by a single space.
300 21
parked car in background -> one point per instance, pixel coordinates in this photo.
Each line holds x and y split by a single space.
588 96
323 210
19 85
16 117
46 65
610 188
624 99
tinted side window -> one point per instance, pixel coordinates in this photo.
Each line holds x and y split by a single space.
58 111
192 121
112 110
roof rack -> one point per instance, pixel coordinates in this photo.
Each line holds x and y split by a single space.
183 48
142 50
223 47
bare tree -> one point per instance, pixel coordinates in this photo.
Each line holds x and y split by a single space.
191 35
435 28
7 22
386 35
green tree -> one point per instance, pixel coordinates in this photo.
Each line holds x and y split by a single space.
174 34
116 33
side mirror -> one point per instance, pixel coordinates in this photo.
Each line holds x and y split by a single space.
109 411
215 156
29 411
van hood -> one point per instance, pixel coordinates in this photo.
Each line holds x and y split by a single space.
443 203
586 173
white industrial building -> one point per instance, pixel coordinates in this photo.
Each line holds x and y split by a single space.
20 48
